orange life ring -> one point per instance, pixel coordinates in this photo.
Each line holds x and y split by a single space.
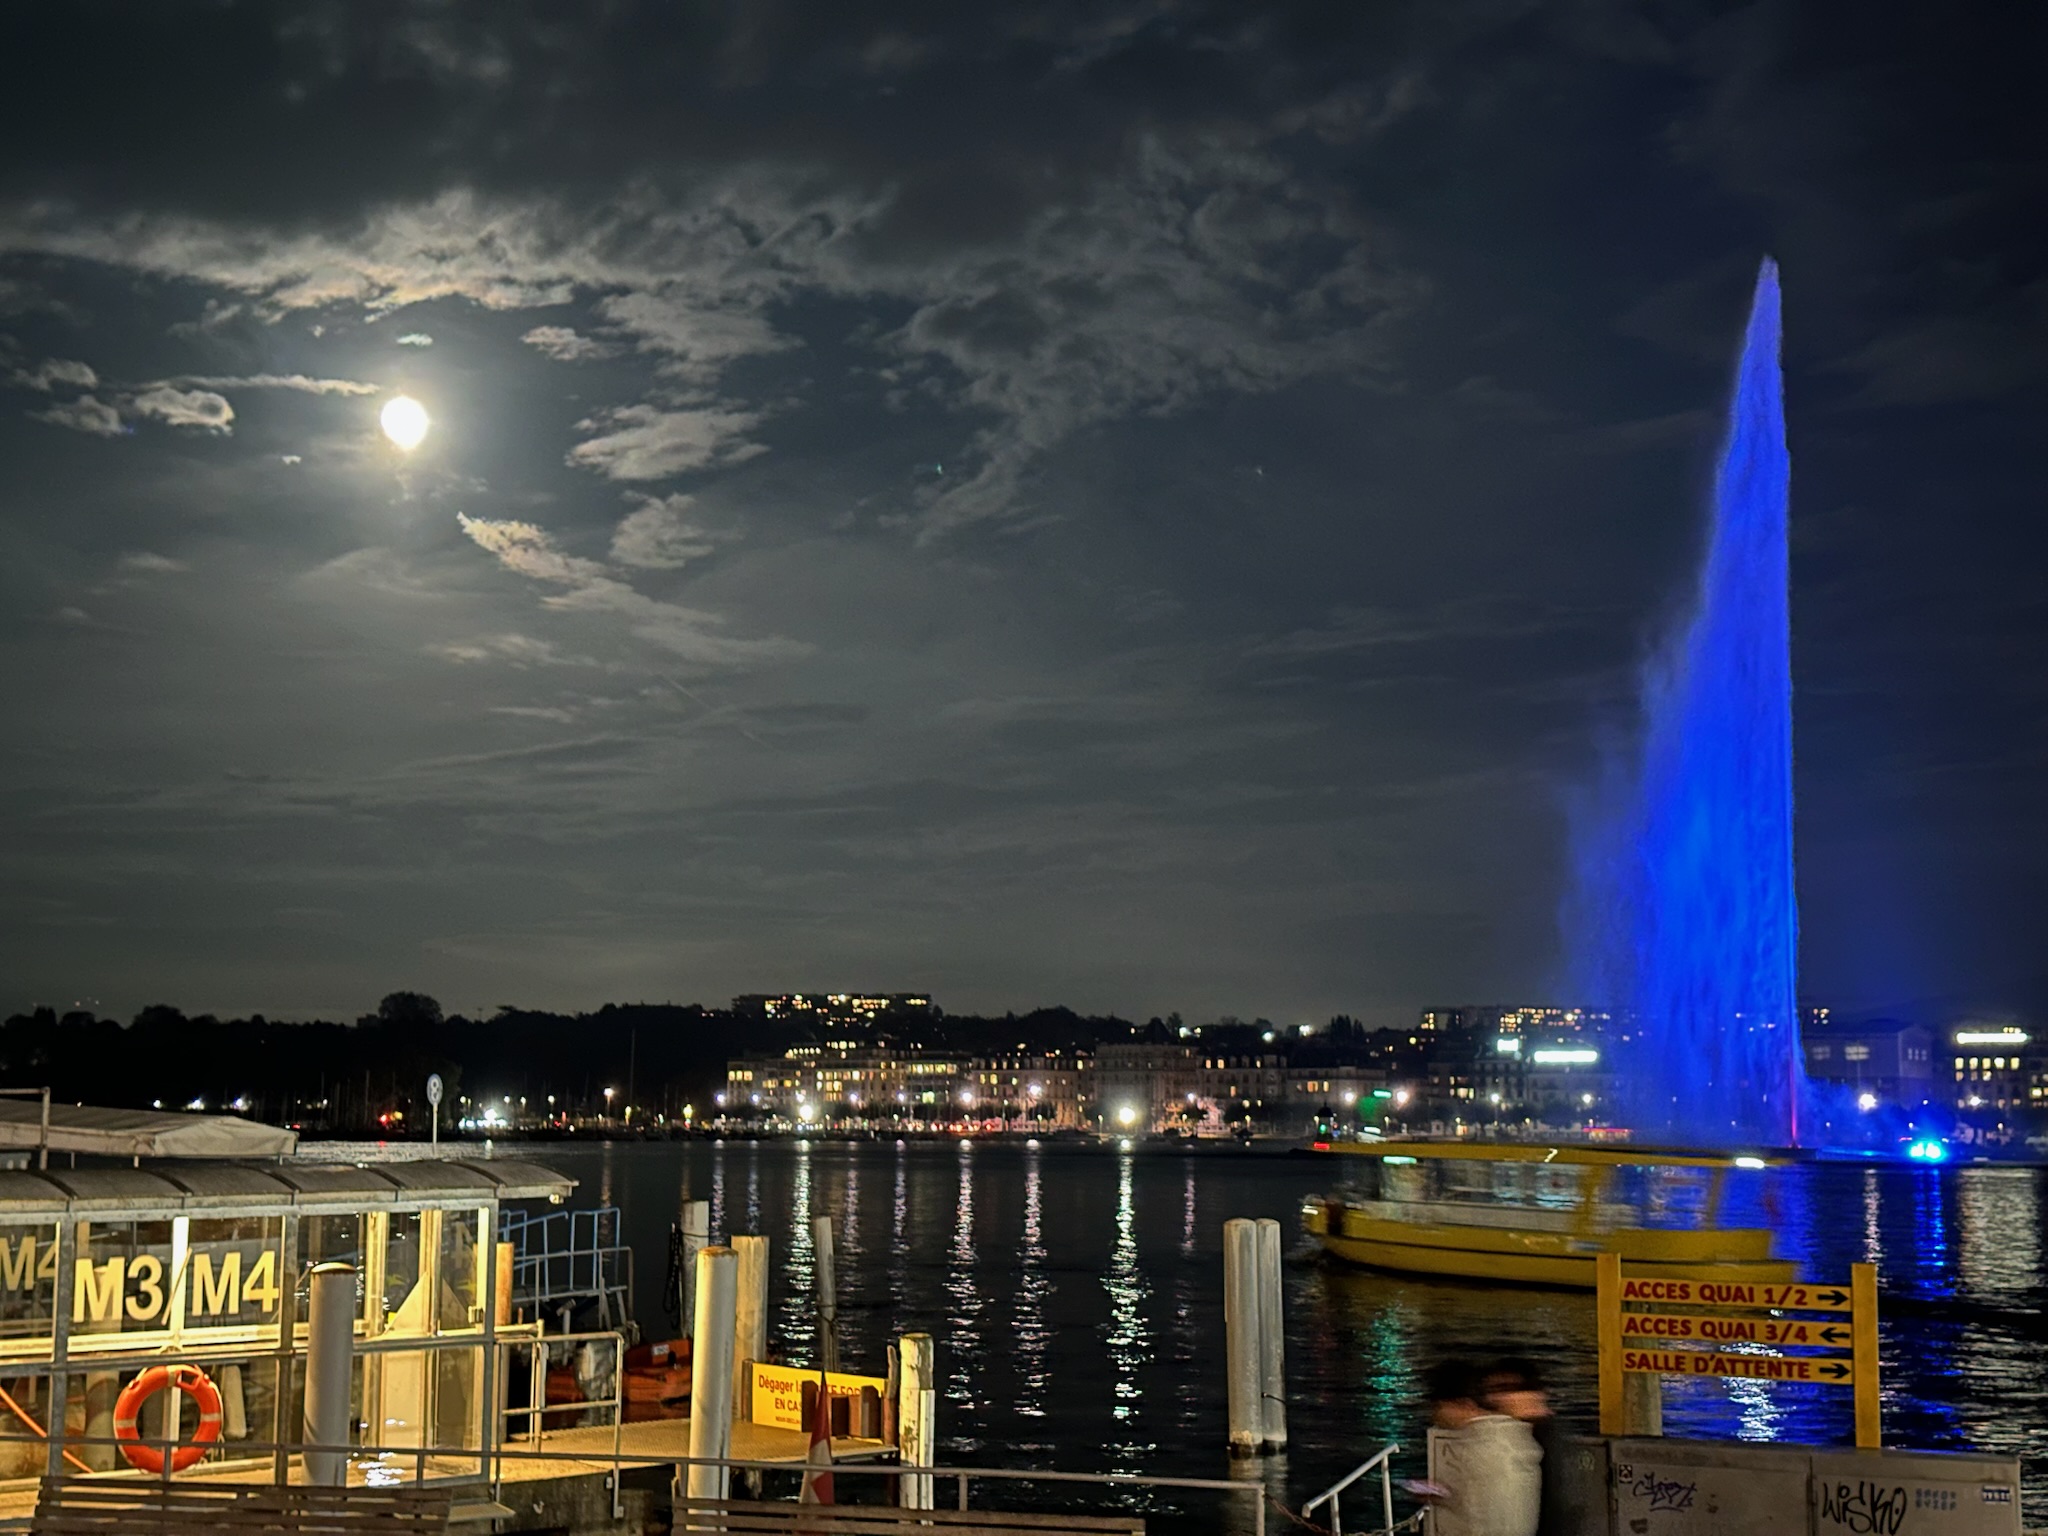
191 1381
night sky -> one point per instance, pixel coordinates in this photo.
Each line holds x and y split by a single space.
1139 506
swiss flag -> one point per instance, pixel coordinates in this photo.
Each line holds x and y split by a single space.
818 1484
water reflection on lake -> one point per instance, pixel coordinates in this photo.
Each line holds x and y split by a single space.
1076 1297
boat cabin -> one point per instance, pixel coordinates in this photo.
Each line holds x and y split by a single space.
1531 1212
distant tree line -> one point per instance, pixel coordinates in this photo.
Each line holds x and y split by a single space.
369 1076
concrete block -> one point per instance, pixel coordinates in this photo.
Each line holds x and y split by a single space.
1709 1488
1909 1493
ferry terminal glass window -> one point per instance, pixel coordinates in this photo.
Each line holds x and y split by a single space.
123 1283
28 1289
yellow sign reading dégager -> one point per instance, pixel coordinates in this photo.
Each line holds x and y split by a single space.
778 1395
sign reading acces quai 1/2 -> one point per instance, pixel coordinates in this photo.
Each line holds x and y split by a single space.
1736 1293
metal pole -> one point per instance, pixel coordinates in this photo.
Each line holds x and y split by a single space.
1642 1400
1247 1423
1272 1338
71 1238
330 1362
828 1292
711 1356
286 1352
43 1136
696 1225
750 1340
1863 1354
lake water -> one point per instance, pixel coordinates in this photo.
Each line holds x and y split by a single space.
1076 1296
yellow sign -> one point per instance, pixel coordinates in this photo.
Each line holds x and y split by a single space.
1707 1328
1639 1312
1714 1362
778 1393
1735 1292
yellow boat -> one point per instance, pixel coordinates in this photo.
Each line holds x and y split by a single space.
1537 1214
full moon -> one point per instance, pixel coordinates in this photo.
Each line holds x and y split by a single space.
405 421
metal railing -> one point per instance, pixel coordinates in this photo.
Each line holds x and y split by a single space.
563 1257
393 1461
1331 1495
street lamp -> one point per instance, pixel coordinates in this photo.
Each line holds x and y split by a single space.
1127 1116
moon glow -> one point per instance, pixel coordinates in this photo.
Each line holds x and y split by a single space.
405 421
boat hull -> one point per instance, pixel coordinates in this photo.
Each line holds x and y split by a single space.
1526 1257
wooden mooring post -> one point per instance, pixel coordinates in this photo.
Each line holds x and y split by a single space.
917 1415
826 1282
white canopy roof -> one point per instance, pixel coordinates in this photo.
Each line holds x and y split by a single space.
138 1132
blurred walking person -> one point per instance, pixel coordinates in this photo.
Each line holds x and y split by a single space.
1514 1387
1487 1468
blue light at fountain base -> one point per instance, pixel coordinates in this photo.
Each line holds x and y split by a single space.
1684 919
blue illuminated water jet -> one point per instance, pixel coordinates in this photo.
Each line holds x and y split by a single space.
1684 918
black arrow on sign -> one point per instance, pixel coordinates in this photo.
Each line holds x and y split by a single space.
1834 1333
1832 1298
1836 1370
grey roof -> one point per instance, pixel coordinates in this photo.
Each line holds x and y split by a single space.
138 1132
177 1188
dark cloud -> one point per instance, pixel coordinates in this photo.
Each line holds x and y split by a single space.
1150 505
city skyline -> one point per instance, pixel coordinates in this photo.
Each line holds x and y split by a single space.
1055 506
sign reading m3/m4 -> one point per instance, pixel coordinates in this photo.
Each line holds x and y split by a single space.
1709 1328
1704 1362
1737 1293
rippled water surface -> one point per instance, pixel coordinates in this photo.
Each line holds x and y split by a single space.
1076 1295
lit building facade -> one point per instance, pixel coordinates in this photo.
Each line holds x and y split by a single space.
1887 1061
808 1007
1998 1067
1026 1092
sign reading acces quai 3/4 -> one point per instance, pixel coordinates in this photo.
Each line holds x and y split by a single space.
1708 1328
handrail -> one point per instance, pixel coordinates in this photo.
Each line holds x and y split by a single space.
1383 1459
419 1456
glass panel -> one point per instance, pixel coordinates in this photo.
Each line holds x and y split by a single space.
232 1280
458 1398
248 1402
21 1448
28 1289
123 1281
404 1300
458 1308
